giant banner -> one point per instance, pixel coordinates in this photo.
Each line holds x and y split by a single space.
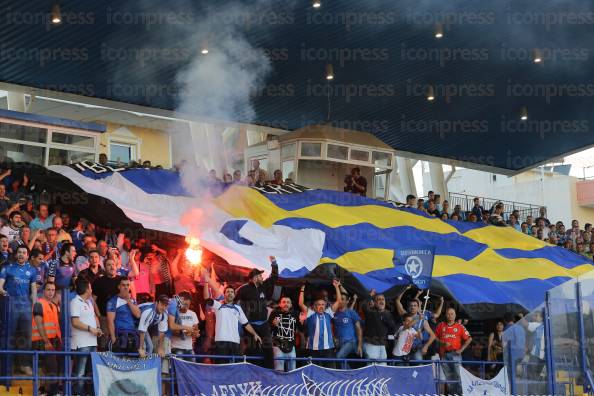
195 379
114 376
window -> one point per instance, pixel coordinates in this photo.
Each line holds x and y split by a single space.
23 133
381 159
311 149
74 140
338 152
288 150
122 153
67 157
359 155
24 153
288 169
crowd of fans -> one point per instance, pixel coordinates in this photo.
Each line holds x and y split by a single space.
574 238
134 296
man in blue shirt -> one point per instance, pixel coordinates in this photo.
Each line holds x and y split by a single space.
514 342
347 326
18 283
318 324
122 316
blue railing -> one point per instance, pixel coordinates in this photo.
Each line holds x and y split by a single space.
67 379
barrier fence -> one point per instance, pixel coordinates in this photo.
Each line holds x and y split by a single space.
170 379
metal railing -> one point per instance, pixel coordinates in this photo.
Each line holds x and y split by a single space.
466 202
67 379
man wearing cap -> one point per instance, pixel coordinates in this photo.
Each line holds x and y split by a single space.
253 298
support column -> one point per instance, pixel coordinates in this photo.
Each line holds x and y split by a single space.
16 101
438 183
407 179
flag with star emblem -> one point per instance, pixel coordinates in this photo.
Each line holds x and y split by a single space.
414 265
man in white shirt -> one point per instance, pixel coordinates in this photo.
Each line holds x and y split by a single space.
13 229
84 329
182 340
228 318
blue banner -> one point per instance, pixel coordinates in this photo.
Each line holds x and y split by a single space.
114 376
311 380
415 264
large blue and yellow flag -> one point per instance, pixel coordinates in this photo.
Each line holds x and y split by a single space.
473 263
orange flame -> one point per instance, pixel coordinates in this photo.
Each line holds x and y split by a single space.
194 251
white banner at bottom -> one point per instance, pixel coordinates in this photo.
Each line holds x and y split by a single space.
474 386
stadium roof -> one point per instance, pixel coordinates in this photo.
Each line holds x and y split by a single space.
384 54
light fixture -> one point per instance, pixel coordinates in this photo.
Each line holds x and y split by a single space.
537 56
204 48
329 72
524 113
56 14
316 3
438 31
430 93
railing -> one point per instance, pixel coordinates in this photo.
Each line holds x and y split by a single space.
67 379
466 202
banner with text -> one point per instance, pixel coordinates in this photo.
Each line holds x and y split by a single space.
247 379
114 376
415 264
474 386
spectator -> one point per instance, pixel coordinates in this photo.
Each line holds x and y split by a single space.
458 211
122 313
63 236
420 204
18 281
253 297
543 216
84 330
359 182
61 270
455 217
161 275
496 218
420 322
410 201
278 178
51 247
529 221
574 233
495 345
104 288
78 234
46 335
537 348
153 326
283 322
82 260
182 340
36 260
542 227
318 324
228 318
514 342
66 226
379 322
524 228
143 281
23 239
437 200
405 337
103 159
43 221
13 229
250 179
444 216
93 271
6 205
184 274
174 323
486 216
446 207
477 209
259 175
473 218
347 327
432 209
430 197
513 222
237 177
454 339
